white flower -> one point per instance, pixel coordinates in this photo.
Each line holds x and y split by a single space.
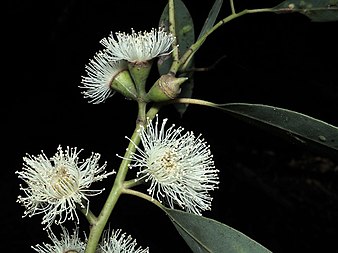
100 74
67 243
138 47
56 186
115 242
179 166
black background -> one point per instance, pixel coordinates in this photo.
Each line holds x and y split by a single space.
277 192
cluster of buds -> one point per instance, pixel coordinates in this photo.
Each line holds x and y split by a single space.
124 66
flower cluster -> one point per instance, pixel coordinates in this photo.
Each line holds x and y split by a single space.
117 242
107 65
67 243
56 186
179 166
112 242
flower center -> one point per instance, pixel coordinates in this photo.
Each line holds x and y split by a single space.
169 161
63 183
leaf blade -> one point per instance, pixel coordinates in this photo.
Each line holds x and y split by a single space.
302 127
210 21
315 10
204 235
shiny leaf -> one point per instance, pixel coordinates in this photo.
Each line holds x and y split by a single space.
298 126
316 10
210 21
204 235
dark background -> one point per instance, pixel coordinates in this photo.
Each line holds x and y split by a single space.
277 192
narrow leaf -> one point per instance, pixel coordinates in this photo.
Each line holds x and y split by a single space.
204 235
316 10
210 21
185 36
301 127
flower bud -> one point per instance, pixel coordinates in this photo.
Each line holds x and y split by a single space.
167 87
123 83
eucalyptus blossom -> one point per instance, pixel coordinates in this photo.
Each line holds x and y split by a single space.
178 165
66 244
138 47
56 186
115 241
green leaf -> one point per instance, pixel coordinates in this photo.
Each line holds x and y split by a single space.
210 21
204 235
185 36
316 10
300 127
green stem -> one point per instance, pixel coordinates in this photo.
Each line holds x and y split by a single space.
172 30
193 101
97 228
143 196
99 224
141 117
131 183
91 218
183 63
232 6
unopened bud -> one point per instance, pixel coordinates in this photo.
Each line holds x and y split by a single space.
124 84
167 87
